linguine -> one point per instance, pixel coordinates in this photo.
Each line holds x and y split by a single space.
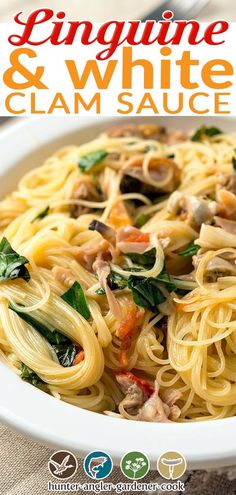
125 299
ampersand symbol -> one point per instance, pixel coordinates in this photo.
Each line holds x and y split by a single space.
32 79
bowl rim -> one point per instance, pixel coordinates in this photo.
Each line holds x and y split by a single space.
205 444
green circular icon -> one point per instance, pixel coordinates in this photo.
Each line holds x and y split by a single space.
135 465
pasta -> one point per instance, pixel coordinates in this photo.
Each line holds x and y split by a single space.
118 275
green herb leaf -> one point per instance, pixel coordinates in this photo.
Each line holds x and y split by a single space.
141 220
234 163
65 353
165 278
63 346
11 263
75 297
146 292
191 250
205 131
116 281
31 377
89 161
100 291
41 214
146 259
53 337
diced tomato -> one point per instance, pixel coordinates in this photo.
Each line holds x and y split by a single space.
139 237
78 358
143 384
129 323
126 331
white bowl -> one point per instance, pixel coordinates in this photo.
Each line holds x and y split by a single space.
205 444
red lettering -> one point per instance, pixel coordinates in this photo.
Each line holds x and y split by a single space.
111 34
32 21
210 32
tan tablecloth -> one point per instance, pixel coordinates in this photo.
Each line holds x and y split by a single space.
23 463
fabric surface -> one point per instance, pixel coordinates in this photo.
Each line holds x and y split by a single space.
23 463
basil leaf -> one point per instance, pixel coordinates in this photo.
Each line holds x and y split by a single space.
116 281
191 250
145 292
65 354
12 263
75 297
63 346
146 259
41 214
141 220
31 377
165 278
91 159
205 131
53 337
